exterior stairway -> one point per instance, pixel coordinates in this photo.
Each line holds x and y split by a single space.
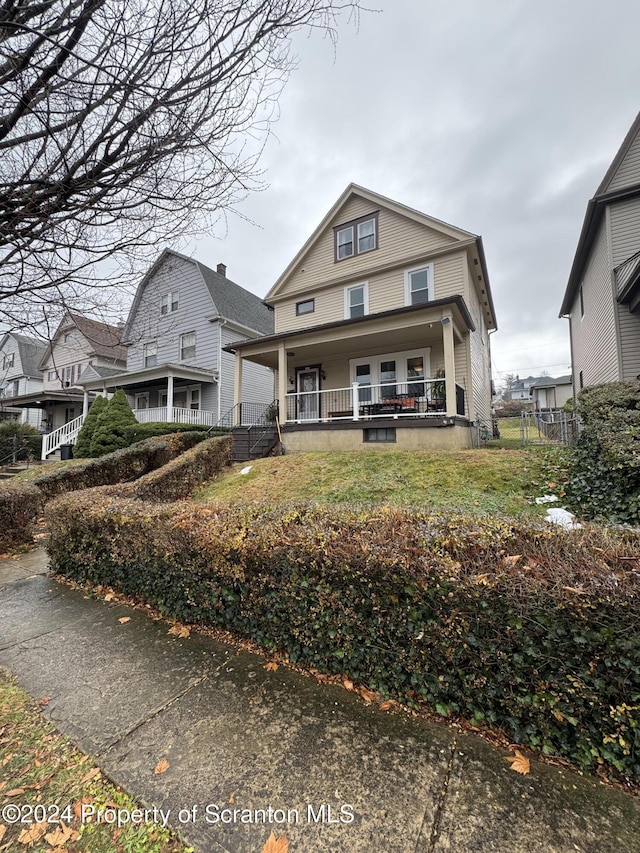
253 442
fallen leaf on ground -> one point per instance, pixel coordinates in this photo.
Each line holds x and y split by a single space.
271 667
124 619
347 683
34 833
61 835
232 799
90 775
15 792
44 701
3 829
512 560
109 596
519 762
276 845
77 807
367 695
388 703
161 766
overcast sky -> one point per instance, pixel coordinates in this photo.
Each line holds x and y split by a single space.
498 117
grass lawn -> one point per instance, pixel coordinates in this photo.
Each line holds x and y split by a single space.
481 482
39 768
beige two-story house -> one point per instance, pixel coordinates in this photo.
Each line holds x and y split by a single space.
602 298
381 337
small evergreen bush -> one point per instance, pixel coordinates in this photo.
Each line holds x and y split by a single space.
110 430
82 448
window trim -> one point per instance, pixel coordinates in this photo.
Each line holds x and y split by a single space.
407 284
365 298
184 357
169 299
400 358
354 225
311 302
147 354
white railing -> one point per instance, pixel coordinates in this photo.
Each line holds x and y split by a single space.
66 434
197 417
418 397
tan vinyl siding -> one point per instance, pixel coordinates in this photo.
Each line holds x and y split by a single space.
628 172
398 237
386 292
595 351
625 230
629 326
478 343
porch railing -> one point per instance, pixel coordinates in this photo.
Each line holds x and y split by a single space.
417 398
66 434
197 417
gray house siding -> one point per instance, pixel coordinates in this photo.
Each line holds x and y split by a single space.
599 362
625 230
26 384
194 306
257 381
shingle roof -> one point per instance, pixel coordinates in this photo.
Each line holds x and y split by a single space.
31 353
235 303
104 338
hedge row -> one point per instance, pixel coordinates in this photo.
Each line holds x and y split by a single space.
533 631
22 503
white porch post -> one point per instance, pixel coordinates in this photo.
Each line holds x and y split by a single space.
449 366
169 397
237 389
282 382
85 403
355 400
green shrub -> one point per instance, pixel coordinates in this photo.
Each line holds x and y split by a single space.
138 432
20 505
82 447
110 430
604 481
532 631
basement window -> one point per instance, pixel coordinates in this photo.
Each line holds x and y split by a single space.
379 435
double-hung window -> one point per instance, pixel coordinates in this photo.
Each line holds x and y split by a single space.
356 301
418 283
187 346
169 302
151 354
356 237
8 360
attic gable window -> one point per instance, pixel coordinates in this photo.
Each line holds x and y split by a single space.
356 237
8 360
169 302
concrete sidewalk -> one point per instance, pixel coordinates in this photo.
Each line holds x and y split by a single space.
307 756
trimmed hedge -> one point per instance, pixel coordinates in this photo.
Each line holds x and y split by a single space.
604 481
148 430
20 504
533 631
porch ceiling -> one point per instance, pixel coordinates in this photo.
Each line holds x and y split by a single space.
153 377
379 335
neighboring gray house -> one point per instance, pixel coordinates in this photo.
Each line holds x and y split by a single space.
20 375
602 299
182 316
520 390
552 393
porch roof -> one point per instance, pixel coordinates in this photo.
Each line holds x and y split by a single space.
40 399
150 376
456 302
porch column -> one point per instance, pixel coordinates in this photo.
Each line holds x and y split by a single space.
282 382
85 403
170 397
237 389
449 366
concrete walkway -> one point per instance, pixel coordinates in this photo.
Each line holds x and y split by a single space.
307 756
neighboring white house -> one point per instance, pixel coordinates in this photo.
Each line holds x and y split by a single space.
552 393
182 317
381 331
20 375
602 298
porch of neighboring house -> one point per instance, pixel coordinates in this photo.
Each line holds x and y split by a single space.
170 393
392 380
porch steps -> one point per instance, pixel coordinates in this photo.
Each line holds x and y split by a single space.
252 443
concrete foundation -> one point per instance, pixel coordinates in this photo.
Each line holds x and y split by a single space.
352 436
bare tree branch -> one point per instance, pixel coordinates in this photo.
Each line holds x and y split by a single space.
125 125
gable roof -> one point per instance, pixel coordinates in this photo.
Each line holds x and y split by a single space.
31 352
103 338
595 211
230 300
354 190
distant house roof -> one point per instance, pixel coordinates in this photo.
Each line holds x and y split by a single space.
235 303
551 382
31 353
103 338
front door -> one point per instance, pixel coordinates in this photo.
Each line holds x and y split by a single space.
308 385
